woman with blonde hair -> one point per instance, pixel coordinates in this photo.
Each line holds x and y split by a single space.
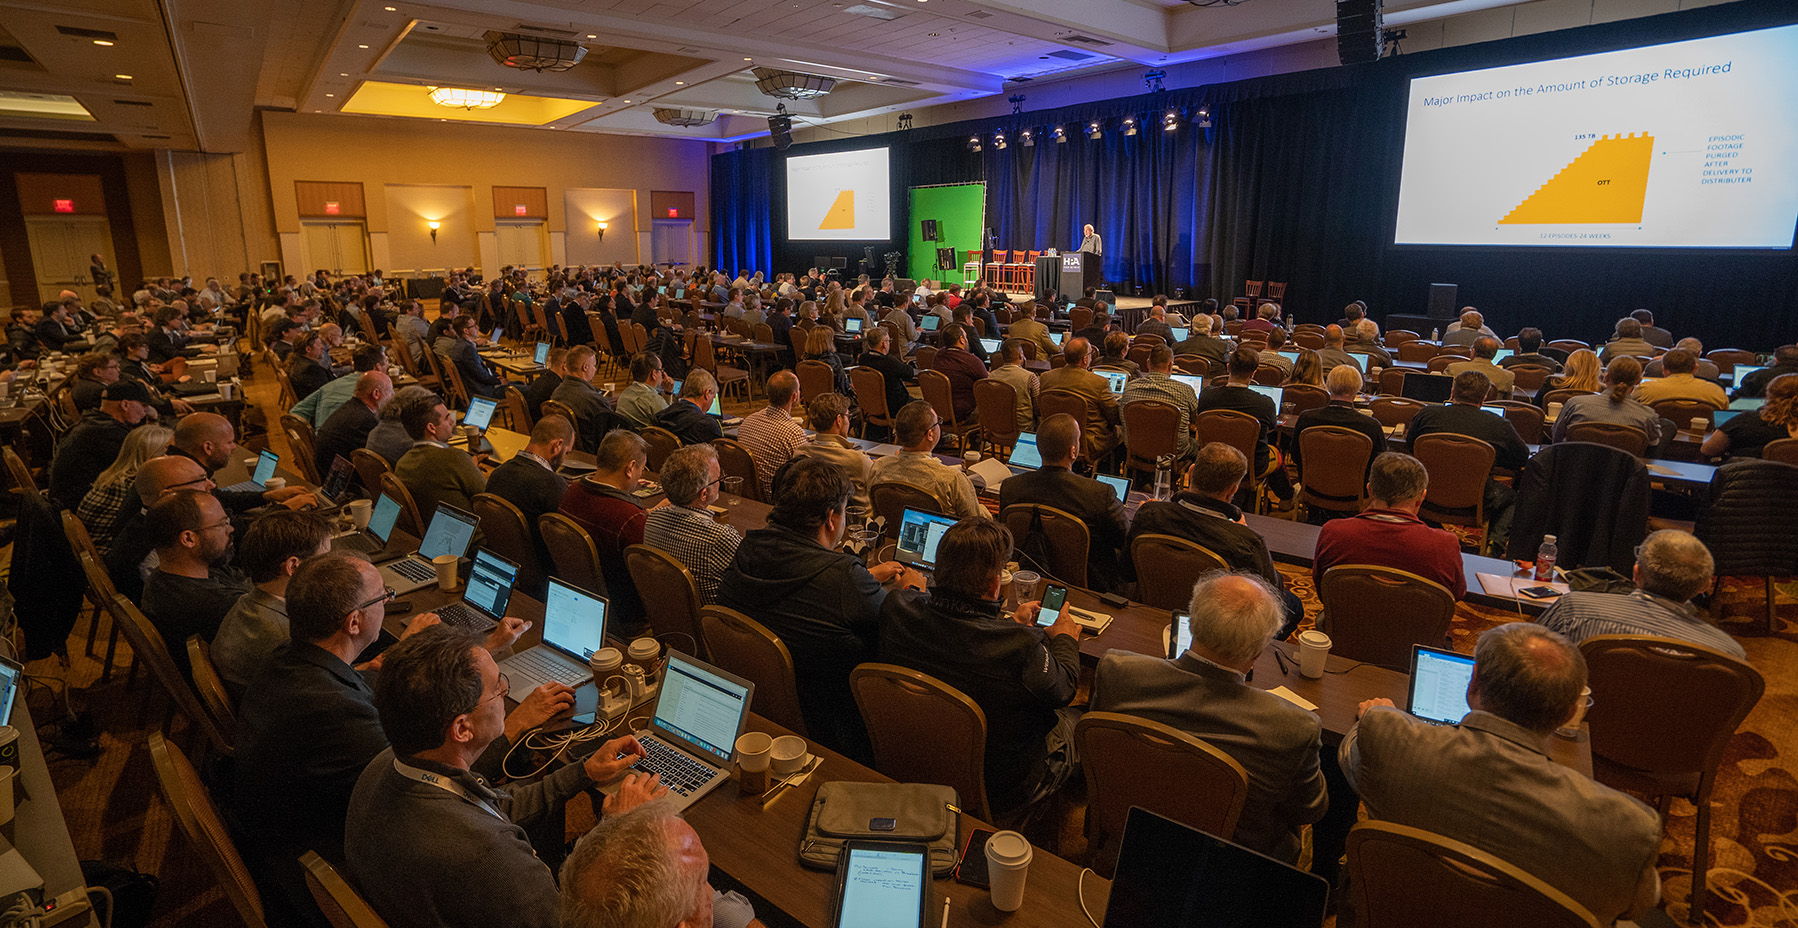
1308 369
1615 406
1579 373
1748 434
102 510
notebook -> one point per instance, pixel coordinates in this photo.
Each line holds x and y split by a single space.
1439 679
699 712
919 534
1173 876
1025 454
574 626
485 597
450 532
373 539
480 412
266 462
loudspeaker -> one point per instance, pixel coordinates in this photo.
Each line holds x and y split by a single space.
780 128
1442 301
930 230
1358 31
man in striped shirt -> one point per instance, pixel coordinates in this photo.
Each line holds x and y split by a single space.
1671 567
770 434
684 528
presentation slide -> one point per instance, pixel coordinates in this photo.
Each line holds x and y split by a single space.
841 197
1685 145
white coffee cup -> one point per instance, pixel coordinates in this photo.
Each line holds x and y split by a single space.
755 752
1007 865
1554 410
360 510
788 753
210 375
1314 647
226 390
446 565
1699 423
275 483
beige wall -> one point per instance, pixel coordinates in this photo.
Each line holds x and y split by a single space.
216 212
143 190
396 159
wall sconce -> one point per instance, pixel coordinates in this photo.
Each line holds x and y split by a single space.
433 226
602 230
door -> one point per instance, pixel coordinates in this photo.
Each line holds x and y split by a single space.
671 242
338 247
59 252
520 244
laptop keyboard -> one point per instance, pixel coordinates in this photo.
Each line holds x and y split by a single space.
461 616
359 543
414 569
546 665
680 772
245 486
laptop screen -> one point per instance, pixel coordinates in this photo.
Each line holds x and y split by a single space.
490 583
930 322
1427 388
337 479
1724 415
1025 454
381 521
1116 379
1194 381
1438 684
450 531
852 325
1272 393
1120 486
992 345
11 675
702 706
919 534
480 412
1292 356
1743 370
717 407
1502 354
542 355
574 620
1058 338
1173 876
1179 635
265 467
1495 410
1179 334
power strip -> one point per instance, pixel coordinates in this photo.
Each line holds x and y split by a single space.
611 707
64 907
649 695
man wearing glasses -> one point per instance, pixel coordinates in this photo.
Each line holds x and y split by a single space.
918 430
307 724
191 589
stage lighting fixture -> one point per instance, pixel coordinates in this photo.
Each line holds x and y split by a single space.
1060 134
999 140
1203 117
780 128
904 121
1152 80
1129 125
1171 121
1028 138
973 143
1093 130
1017 103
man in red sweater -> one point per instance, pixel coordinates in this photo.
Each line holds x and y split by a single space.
1388 533
604 504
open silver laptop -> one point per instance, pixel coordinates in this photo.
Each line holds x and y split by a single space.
450 532
372 540
487 594
266 462
574 626
699 712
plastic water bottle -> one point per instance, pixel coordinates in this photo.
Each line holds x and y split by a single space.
1435 335
1164 472
1545 559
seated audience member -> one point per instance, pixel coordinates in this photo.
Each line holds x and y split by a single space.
273 547
829 415
284 338
1579 372
646 869
1702 368
318 407
1203 514
1204 692
1366 340
1627 342
546 382
132 554
1157 384
432 471
1333 354
457 346
1267 319
389 438
1236 395
1023 677
1307 370
1023 382
94 372
1114 354
1484 350
1203 343
769 434
1613 406
429 842
1096 331
102 511
963 370
191 589
642 401
94 442
1464 416
917 430
1529 351
820 346
878 354
1093 503
350 423
1156 324
1754 385
1679 383
1100 427
1671 567
55 331
688 416
793 577
603 503
412 327
1388 532
1651 333
308 366
1276 343
1344 383
590 405
209 439
1747 435
1489 783
1034 331
684 528
1469 330
529 480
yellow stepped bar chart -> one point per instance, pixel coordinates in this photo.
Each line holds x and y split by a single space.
1606 183
841 214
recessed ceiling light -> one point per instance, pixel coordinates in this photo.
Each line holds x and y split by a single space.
627 101
330 95
361 46
391 9
680 83
592 36
107 43
749 59
123 77
343 74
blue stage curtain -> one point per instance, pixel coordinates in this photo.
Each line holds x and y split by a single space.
743 211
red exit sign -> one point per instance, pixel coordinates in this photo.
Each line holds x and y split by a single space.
63 206
333 208
519 209
673 213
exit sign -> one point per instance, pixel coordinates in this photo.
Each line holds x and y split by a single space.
64 206
333 208
519 209
673 213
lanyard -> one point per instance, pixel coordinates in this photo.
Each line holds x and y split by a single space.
447 785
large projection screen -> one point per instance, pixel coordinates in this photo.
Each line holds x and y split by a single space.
839 197
1685 145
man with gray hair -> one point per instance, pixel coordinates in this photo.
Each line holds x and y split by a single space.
1671 567
646 869
1204 692
1366 340
685 528
1489 782
1388 532
1628 340
688 417
1471 327
389 438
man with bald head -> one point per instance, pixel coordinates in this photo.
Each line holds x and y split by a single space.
646 869
1099 430
348 427
209 439
1334 354
129 560
770 433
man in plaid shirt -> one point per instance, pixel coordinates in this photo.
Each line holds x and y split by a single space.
684 528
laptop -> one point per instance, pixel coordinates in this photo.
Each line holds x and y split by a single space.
1025 454
1747 403
992 345
1173 876
1427 388
541 356
1116 379
1742 371
1439 679
1290 356
484 598
699 712
919 534
930 322
1495 410
1724 415
372 539
852 325
12 676
1178 333
1120 486
480 412
1272 393
1058 338
574 626
1194 381
1501 355
450 532
266 462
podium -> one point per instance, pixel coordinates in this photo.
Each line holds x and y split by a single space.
1080 270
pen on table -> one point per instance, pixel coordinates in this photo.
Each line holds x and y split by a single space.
945 913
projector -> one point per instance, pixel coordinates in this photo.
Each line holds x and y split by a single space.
533 53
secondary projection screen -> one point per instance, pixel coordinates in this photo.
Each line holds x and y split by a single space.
839 197
1686 145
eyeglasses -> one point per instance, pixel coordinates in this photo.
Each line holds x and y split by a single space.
505 689
222 523
187 483
387 595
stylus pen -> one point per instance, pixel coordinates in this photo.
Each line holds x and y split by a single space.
945 913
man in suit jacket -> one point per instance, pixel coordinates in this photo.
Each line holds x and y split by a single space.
305 367
456 346
1487 781
687 416
1344 383
1651 333
1102 415
1037 333
878 355
544 386
577 392
1201 343
348 427
1088 500
1463 416
529 480
1204 692
1156 324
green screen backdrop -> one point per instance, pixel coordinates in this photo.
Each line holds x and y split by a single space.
960 213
